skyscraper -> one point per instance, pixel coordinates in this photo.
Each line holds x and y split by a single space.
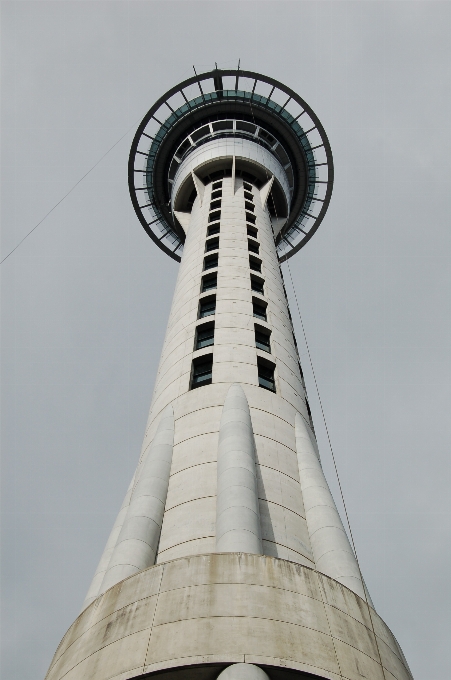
228 558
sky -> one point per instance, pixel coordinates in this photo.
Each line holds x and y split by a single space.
86 297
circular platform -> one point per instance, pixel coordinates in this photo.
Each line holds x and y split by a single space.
237 104
191 617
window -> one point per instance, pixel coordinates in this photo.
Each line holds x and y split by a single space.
249 218
247 186
205 336
266 375
262 341
257 284
211 244
215 205
214 216
252 231
248 196
207 306
259 309
216 185
255 264
213 229
209 282
249 206
216 194
211 262
253 246
202 371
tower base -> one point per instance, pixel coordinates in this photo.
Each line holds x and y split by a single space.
192 617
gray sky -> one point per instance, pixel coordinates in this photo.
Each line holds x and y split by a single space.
87 296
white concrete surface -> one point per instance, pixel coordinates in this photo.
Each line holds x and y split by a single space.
137 543
237 509
228 608
251 561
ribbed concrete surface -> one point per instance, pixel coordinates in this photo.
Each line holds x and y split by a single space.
228 608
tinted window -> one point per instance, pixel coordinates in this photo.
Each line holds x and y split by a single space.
202 372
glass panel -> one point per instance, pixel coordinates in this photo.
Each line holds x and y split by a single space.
209 283
212 244
259 311
255 266
257 286
207 308
211 262
205 338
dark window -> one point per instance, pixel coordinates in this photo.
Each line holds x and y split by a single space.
215 205
205 336
207 307
209 282
248 196
266 376
249 206
216 185
214 216
252 231
253 246
255 265
213 229
216 194
259 309
202 371
201 132
211 262
223 125
257 285
240 125
211 244
247 186
262 340
249 218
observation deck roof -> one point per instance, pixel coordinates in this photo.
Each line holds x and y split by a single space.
231 103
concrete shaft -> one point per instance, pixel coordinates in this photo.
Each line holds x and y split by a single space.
237 514
137 543
229 465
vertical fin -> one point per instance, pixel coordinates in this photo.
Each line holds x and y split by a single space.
199 185
233 175
264 191
330 544
237 514
137 544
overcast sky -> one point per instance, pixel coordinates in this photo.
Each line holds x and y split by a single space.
86 297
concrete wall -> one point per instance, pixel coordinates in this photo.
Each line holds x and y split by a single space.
225 609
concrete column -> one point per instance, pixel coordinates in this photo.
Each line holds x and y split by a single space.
137 544
332 551
243 671
96 582
237 513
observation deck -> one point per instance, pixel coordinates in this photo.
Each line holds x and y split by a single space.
234 110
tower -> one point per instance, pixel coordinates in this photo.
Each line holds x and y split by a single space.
228 558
